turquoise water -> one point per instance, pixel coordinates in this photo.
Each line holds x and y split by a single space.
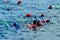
51 31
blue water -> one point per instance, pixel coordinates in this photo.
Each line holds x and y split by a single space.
50 32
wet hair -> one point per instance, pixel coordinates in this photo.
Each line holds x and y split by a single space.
14 24
34 22
48 21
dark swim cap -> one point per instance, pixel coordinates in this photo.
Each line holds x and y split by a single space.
47 21
34 22
14 24
50 7
42 15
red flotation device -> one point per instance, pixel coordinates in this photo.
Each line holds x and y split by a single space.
32 25
28 15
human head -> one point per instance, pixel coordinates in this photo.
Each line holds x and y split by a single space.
47 21
41 15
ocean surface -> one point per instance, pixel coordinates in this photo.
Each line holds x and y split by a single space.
17 14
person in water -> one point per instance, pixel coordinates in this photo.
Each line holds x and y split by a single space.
45 21
32 26
41 15
19 2
16 25
37 22
48 21
50 7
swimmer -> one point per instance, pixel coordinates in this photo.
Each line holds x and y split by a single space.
45 21
50 7
41 15
37 23
19 2
32 26
28 25
16 26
